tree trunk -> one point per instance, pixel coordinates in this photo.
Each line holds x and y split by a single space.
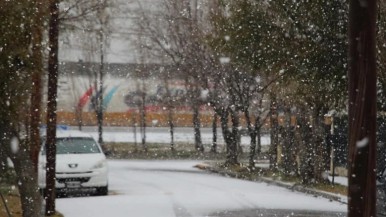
134 122
28 185
36 91
51 107
197 126
30 197
232 156
289 150
171 128
143 117
258 131
319 137
3 162
170 106
214 131
100 108
228 138
362 79
79 114
307 150
252 135
274 134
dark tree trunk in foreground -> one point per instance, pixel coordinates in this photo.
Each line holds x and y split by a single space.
28 184
36 90
30 197
51 107
362 108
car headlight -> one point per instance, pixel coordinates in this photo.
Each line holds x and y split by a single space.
100 164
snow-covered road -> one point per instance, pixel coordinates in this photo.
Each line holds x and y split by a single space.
176 188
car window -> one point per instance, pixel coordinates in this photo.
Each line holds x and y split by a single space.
75 146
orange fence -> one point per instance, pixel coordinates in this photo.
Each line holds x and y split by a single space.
159 119
127 119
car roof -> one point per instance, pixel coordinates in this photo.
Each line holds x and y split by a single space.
70 133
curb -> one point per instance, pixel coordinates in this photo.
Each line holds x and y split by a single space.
292 187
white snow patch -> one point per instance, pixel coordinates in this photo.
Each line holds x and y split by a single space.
339 180
224 60
15 145
363 143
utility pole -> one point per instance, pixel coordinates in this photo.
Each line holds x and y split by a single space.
362 108
51 107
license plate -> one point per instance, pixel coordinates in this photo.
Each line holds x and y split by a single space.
73 184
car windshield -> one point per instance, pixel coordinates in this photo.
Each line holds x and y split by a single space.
76 146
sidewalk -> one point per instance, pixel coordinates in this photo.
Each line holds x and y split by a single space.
289 185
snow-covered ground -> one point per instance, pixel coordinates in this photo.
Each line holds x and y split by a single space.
162 135
340 180
175 188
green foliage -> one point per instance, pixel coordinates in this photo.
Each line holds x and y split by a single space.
15 40
305 39
15 28
240 32
318 31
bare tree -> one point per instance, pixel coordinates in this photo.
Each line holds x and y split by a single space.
178 37
91 17
170 102
143 113
103 19
54 23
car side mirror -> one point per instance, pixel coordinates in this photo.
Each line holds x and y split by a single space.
107 153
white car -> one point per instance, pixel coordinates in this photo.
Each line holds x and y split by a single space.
80 164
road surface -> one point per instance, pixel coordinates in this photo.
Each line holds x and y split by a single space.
177 189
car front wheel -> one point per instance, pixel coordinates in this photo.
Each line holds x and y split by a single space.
102 191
